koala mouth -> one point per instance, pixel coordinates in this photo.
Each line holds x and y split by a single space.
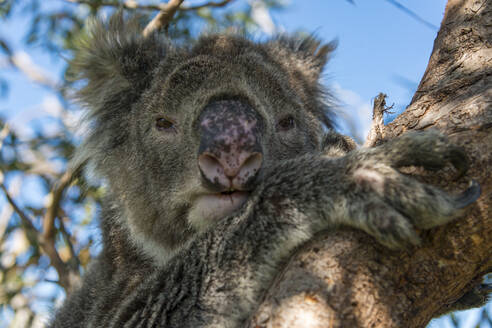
214 206
231 196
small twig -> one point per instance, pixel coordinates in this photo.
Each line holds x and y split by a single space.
207 4
413 15
162 19
132 4
74 260
23 216
54 206
4 133
376 133
23 62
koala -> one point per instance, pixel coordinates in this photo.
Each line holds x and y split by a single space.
220 159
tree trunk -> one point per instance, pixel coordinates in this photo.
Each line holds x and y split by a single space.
345 279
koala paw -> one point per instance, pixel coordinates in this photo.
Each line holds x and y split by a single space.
391 205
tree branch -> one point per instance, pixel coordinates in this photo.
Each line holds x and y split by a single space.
68 277
31 229
207 4
23 62
53 207
131 4
74 260
162 19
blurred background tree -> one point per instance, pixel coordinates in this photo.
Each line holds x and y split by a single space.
48 215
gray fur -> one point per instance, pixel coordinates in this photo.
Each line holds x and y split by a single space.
160 269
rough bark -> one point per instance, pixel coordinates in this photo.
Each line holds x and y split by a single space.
344 279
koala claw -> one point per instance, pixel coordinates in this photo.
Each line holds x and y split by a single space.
403 204
469 196
395 228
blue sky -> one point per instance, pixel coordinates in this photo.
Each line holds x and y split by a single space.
377 42
381 49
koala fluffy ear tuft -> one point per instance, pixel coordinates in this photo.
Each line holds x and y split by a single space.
114 64
305 53
114 57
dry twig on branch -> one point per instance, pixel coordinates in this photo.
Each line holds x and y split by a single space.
376 134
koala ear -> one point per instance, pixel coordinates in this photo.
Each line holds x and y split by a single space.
114 64
306 54
113 58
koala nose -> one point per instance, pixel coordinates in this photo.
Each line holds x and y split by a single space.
230 172
230 155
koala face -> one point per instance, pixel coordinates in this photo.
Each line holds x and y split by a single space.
184 135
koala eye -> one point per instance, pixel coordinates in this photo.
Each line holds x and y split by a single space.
286 123
163 124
